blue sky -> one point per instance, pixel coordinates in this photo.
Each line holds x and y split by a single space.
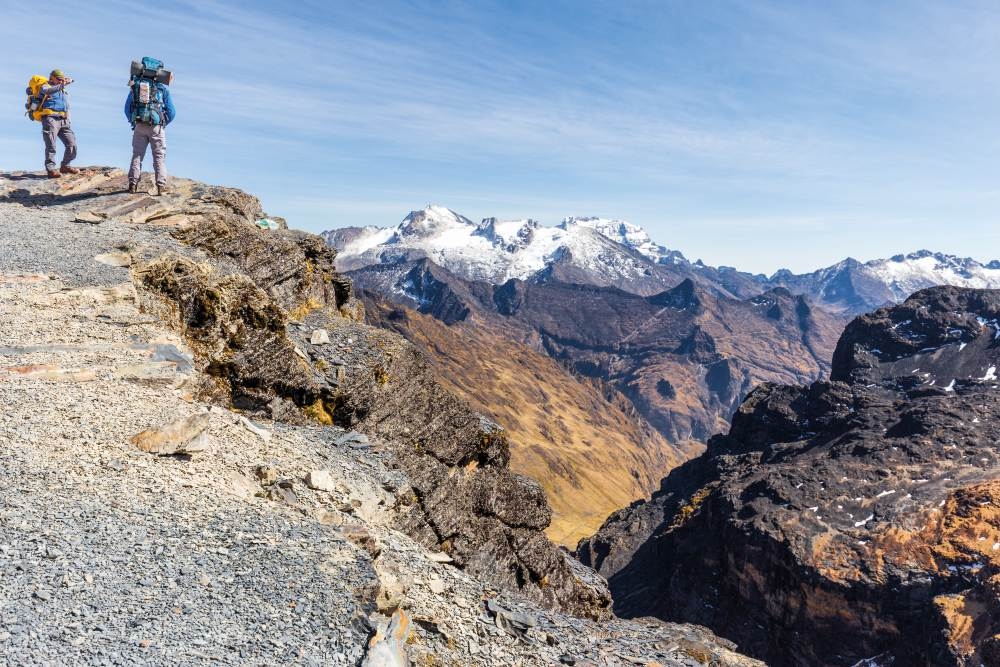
759 135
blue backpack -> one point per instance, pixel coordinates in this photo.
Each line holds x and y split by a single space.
147 97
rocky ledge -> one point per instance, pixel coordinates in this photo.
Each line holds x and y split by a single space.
207 457
850 521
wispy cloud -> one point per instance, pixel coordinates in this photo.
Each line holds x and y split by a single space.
762 118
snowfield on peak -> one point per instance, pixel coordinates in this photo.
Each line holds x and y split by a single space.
612 252
629 235
906 274
497 250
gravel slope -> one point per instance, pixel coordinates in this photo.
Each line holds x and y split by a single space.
110 555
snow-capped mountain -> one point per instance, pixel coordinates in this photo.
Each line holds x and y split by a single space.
589 250
608 252
856 286
905 274
630 236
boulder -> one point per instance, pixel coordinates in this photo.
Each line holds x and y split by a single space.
320 480
186 436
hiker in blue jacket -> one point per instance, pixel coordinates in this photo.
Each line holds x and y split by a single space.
149 121
56 125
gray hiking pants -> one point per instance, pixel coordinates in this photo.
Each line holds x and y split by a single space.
58 128
154 136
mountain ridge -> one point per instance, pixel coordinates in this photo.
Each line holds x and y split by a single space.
497 250
845 519
682 357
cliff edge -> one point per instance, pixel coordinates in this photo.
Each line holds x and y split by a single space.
208 457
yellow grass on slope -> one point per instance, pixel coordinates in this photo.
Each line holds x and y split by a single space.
591 455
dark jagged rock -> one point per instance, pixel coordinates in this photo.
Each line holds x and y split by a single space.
466 501
682 297
238 330
886 344
847 519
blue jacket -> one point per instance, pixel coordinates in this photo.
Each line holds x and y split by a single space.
169 111
56 99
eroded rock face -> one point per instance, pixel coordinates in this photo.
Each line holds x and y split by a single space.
847 519
248 301
239 331
295 268
465 500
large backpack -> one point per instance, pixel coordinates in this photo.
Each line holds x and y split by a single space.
33 106
147 97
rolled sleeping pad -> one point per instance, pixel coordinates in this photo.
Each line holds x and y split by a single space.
164 76
152 63
136 69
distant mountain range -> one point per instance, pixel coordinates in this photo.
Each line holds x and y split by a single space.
605 252
638 334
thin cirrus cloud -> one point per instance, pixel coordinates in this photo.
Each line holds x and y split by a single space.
744 133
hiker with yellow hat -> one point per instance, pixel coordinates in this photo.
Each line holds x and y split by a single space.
53 111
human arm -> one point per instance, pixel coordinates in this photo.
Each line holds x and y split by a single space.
169 110
49 88
128 106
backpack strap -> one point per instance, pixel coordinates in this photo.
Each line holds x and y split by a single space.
135 100
41 106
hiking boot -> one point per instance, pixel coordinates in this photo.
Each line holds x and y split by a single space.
66 169
54 174
162 190
133 187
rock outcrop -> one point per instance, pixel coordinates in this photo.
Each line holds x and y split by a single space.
247 300
846 520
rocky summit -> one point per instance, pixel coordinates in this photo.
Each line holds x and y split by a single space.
206 457
851 521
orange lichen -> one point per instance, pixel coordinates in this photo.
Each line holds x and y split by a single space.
318 412
689 508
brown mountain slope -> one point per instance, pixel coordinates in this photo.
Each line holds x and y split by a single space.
592 453
684 358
